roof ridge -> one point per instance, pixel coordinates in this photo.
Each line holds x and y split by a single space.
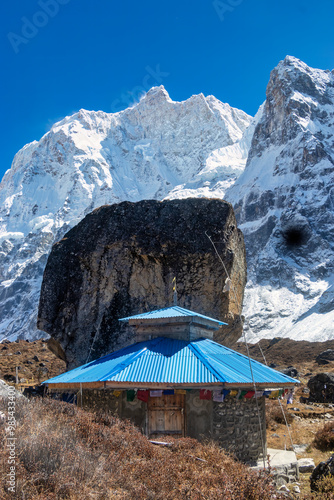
124 364
200 355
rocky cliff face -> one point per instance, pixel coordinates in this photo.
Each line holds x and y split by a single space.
157 148
284 203
121 259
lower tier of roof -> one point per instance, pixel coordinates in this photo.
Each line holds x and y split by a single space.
170 362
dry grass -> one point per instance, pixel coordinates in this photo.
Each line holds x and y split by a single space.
65 452
29 368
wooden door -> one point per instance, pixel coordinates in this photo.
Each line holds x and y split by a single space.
166 415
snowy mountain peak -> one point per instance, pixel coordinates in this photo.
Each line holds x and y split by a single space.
160 148
92 158
285 203
156 94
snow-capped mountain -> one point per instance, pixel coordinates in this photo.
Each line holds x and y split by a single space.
154 149
283 198
284 202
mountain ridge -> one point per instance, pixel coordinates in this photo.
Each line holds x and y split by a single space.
91 159
276 169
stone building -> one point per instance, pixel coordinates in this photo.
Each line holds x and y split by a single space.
175 380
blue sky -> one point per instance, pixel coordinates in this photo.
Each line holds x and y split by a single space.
62 55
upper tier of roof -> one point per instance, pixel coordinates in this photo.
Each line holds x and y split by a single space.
172 362
171 312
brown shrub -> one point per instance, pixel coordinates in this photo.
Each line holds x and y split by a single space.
67 453
324 438
274 414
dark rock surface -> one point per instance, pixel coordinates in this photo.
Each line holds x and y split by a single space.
322 388
322 470
325 357
121 259
291 371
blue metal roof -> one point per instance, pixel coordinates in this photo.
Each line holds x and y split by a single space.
171 361
171 312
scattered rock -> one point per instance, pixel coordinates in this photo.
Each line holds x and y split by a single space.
9 378
4 391
275 436
28 362
300 448
42 364
5 348
36 358
283 488
272 365
280 481
322 470
325 357
306 465
17 353
291 371
295 488
322 388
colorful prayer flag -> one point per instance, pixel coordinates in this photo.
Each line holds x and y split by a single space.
130 395
274 395
226 392
249 394
242 393
180 391
168 391
205 394
218 396
142 395
117 394
156 394
228 284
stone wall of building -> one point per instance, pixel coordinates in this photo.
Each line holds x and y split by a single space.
236 426
99 400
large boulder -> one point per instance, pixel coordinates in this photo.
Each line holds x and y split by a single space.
322 388
325 357
8 391
121 259
322 470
